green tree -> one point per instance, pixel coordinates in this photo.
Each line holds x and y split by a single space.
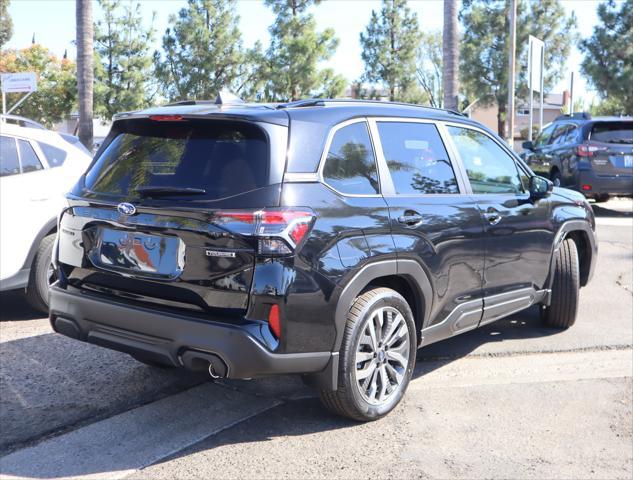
429 67
608 62
390 43
290 67
202 51
485 47
124 76
56 94
6 24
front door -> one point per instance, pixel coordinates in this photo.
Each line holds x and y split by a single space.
433 222
519 233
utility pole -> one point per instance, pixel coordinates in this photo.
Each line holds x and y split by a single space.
511 71
571 95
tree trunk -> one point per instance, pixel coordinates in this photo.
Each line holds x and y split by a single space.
450 52
501 120
85 73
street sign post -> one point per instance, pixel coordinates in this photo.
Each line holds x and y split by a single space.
24 82
536 64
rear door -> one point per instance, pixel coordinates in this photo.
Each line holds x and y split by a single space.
167 213
432 220
612 145
518 230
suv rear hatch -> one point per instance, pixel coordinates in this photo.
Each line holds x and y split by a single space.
610 147
153 220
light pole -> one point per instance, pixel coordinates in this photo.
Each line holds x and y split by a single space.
511 71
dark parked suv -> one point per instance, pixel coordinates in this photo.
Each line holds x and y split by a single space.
591 155
324 238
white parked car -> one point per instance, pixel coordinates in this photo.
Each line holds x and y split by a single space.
37 167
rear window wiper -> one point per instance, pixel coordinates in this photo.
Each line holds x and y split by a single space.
163 191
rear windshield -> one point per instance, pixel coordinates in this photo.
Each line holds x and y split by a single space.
216 159
613 132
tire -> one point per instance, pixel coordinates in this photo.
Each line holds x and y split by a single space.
601 198
41 275
385 309
561 313
556 178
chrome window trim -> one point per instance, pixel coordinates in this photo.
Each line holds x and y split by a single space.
326 149
294 177
462 186
502 145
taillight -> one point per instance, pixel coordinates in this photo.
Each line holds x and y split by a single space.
274 320
589 150
279 231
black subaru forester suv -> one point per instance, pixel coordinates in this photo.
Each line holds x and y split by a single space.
324 238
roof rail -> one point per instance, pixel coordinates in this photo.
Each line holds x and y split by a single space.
576 115
22 121
321 102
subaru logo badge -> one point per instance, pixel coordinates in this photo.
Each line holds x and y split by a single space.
126 209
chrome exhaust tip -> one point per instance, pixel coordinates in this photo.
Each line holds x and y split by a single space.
212 372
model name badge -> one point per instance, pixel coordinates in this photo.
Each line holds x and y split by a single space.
217 253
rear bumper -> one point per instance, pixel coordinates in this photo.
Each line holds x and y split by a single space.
171 338
600 185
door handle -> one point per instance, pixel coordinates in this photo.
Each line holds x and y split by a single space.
410 220
492 217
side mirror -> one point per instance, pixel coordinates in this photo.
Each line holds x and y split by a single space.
540 187
528 145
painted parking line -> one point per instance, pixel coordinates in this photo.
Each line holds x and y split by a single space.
118 446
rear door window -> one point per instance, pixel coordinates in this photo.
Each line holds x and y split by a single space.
9 162
350 165
613 132
217 159
416 157
28 158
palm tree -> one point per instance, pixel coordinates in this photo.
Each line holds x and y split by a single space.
85 74
450 50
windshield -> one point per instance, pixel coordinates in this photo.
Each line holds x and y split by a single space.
613 132
213 159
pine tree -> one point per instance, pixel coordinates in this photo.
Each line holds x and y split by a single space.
485 47
290 67
608 61
390 43
202 52
6 24
124 76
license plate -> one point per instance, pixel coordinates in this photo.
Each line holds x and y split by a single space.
628 160
138 254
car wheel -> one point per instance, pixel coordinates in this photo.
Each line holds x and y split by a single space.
561 313
42 275
556 178
377 356
601 198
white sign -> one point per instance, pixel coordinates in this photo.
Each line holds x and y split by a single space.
537 50
19 82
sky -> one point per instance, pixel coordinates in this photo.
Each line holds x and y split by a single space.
53 24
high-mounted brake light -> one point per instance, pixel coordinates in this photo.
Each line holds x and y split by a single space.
166 118
588 150
279 231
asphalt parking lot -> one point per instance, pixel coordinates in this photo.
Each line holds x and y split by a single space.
511 400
